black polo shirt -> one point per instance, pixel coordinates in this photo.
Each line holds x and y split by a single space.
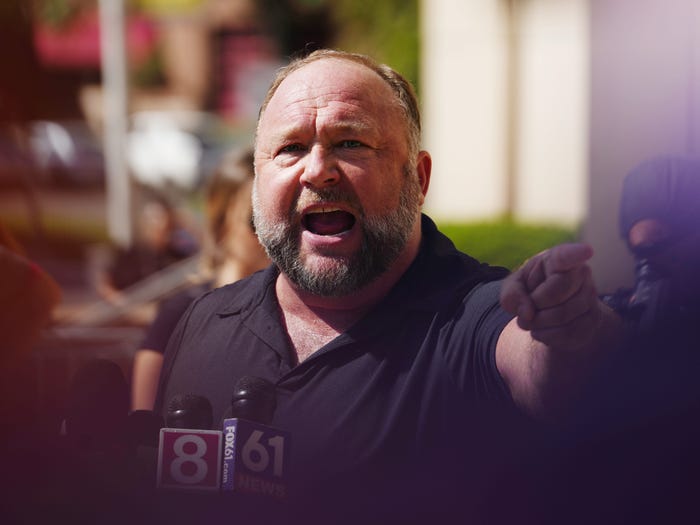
411 378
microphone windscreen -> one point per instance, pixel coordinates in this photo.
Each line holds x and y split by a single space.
189 411
97 404
254 398
143 428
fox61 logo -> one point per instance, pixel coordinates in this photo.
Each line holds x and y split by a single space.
255 458
189 459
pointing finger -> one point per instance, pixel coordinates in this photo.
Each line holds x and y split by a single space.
559 287
565 257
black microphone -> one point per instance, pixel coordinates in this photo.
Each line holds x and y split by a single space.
143 428
97 406
254 399
255 454
142 433
189 411
92 463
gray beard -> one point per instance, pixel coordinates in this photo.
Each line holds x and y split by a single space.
384 238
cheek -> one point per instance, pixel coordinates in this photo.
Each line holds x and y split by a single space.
275 194
379 196
376 184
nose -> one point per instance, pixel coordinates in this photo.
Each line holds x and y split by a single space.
320 170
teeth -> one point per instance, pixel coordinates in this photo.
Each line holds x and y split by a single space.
325 210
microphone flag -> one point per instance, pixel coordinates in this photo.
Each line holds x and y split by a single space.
189 459
255 458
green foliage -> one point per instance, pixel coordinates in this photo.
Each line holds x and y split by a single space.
57 13
384 29
61 13
505 243
150 73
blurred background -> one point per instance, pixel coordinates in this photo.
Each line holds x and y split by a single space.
534 111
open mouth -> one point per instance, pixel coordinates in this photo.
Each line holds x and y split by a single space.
328 222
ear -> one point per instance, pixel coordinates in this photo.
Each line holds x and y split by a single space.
424 165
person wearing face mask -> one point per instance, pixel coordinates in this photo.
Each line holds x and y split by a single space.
633 438
659 219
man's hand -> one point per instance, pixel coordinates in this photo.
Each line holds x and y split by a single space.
554 297
547 353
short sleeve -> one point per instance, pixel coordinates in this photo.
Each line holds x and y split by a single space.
470 343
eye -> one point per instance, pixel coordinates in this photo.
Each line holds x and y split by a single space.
350 144
291 148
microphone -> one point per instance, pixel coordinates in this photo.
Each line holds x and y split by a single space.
143 428
255 454
189 454
97 406
253 399
141 435
189 411
92 458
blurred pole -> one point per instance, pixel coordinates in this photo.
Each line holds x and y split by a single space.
512 107
115 96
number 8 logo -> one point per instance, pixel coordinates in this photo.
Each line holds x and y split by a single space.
183 457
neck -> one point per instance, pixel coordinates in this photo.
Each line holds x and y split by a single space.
336 313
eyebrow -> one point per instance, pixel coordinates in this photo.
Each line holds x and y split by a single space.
354 126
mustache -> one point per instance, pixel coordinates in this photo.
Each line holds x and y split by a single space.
310 196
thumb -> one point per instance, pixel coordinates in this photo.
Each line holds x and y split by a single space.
515 299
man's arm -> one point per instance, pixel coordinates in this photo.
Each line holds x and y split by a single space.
560 330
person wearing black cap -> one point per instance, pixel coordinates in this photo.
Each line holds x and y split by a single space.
633 443
659 219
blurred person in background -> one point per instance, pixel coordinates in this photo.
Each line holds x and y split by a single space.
660 223
161 240
28 296
633 437
231 252
203 52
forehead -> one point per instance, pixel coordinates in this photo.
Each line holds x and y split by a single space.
331 85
